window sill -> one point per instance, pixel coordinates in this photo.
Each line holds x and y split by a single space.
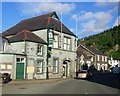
39 73
39 55
55 73
63 49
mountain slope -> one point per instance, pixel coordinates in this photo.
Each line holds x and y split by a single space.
108 41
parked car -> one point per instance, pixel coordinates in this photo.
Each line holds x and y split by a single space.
116 70
84 74
5 77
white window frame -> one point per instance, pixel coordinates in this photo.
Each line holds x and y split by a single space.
98 57
92 59
106 66
55 65
67 43
105 58
103 66
39 49
9 66
21 60
56 41
3 66
98 66
39 67
102 58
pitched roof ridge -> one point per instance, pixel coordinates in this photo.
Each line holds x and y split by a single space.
27 35
95 50
39 23
37 16
86 48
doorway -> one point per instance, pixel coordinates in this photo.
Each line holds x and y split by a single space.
64 71
20 68
66 68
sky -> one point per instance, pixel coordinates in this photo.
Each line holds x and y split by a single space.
82 18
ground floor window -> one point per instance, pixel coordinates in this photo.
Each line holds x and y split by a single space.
39 66
2 66
103 67
55 65
98 66
106 67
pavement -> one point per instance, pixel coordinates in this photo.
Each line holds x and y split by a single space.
35 81
101 83
50 80
40 81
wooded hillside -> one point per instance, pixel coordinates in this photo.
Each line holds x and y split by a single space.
108 42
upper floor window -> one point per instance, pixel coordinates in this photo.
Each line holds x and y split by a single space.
98 57
105 58
39 49
102 58
67 43
56 41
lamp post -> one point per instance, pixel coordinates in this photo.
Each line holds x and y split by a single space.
47 76
49 45
48 29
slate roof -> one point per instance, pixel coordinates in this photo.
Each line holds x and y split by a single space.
92 50
88 57
80 53
1 36
38 23
26 36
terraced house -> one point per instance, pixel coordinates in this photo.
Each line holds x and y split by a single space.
91 56
34 37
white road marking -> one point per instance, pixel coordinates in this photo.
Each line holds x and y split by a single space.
85 91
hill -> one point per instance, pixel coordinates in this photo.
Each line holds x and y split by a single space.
108 41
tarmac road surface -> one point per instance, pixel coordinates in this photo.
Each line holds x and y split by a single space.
102 83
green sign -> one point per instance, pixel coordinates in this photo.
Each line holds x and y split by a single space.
50 40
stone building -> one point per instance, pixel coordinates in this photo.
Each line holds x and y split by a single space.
61 63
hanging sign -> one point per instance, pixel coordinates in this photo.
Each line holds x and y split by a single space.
50 40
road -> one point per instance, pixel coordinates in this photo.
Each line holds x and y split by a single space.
100 84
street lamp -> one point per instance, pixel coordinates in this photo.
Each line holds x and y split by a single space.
49 45
47 76
48 23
